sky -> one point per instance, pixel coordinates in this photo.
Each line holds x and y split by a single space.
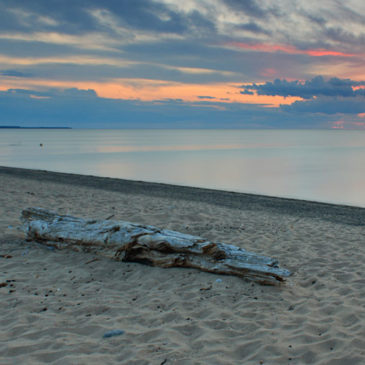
294 64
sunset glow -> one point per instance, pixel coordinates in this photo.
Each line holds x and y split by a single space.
221 63
154 90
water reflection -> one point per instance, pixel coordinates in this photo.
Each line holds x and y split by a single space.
314 165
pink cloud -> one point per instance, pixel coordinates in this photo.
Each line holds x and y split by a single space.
359 124
341 124
269 72
273 48
325 52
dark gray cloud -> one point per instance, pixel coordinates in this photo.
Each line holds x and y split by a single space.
185 38
315 87
336 24
249 7
50 93
247 92
22 15
341 35
252 27
333 96
77 16
14 73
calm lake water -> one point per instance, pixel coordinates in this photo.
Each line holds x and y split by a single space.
319 165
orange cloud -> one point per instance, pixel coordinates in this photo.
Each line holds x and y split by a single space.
273 48
154 90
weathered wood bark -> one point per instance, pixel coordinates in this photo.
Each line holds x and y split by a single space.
147 244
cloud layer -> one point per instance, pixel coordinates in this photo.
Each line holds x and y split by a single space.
165 35
309 89
334 96
47 47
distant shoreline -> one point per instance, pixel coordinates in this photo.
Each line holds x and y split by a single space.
18 127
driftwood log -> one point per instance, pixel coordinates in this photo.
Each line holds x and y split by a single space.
150 245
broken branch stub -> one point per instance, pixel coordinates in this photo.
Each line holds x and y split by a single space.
126 241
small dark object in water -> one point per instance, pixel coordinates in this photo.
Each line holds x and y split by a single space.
41 145
113 333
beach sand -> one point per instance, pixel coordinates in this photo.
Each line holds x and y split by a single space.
56 306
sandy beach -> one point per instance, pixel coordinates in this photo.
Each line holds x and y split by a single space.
56 306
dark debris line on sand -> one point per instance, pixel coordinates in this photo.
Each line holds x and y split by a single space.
301 208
